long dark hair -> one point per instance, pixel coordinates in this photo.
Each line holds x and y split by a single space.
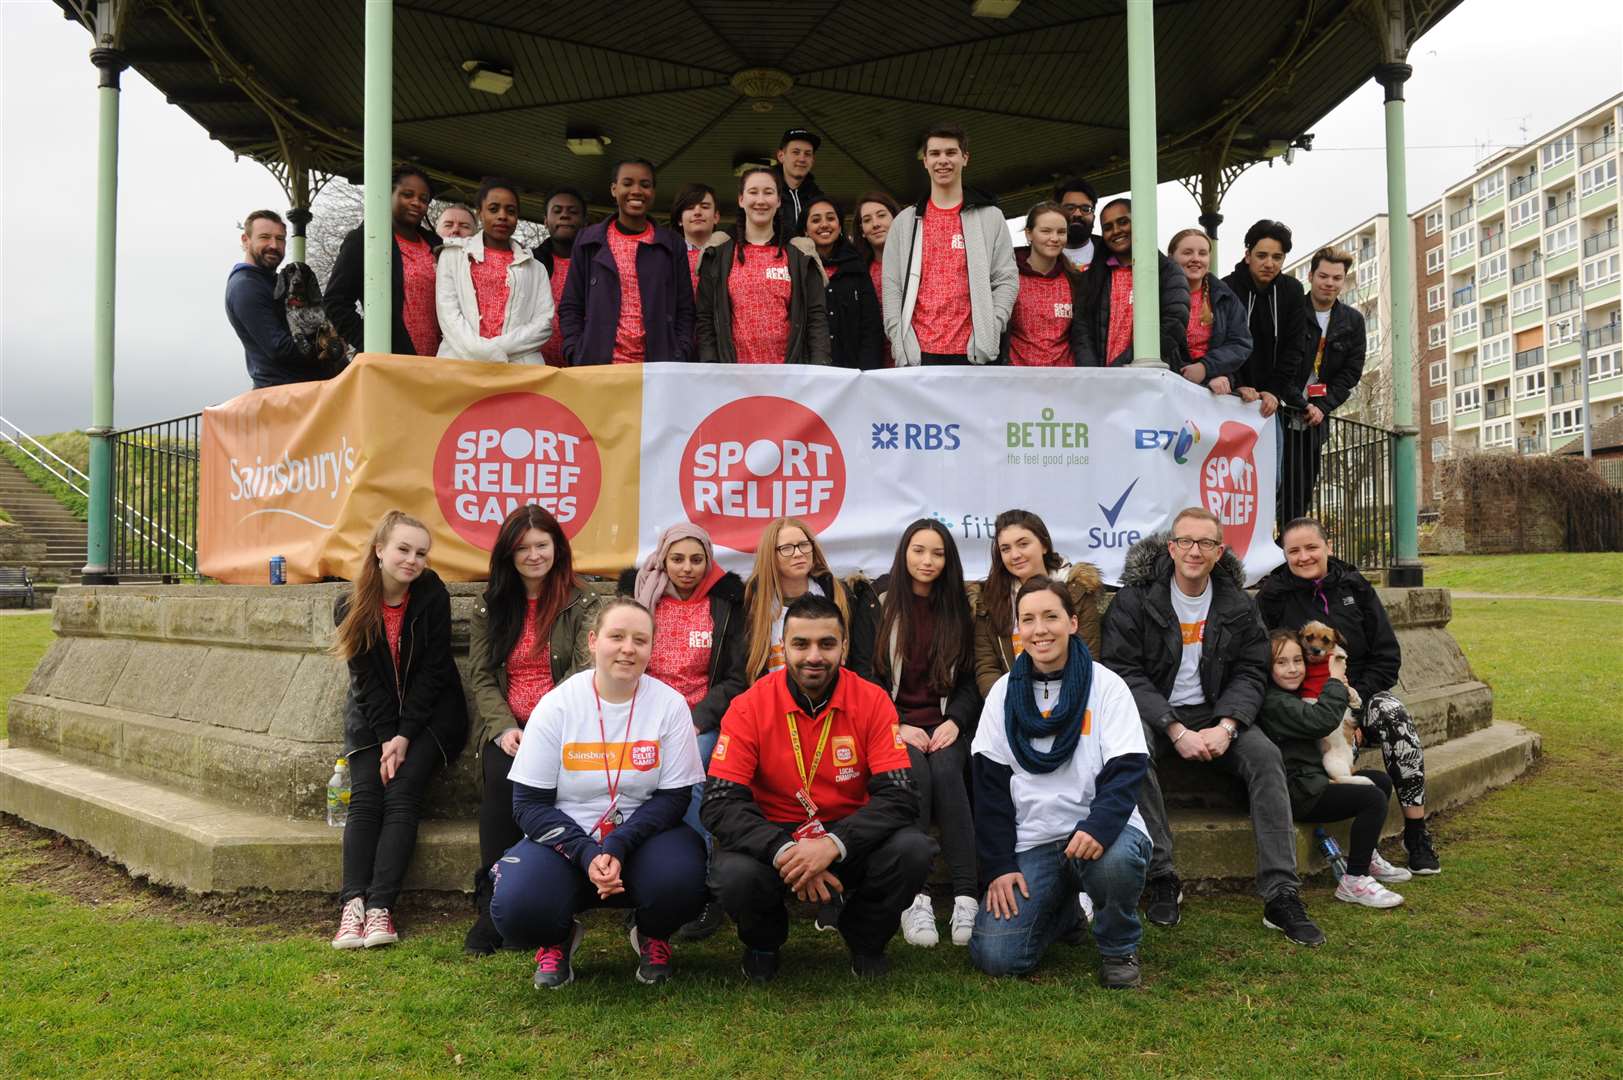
779 240
996 593
854 233
949 606
504 596
362 627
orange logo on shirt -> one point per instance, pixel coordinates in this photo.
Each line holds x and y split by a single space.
1193 632
1087 721
720 752
590 757
896 733
845 749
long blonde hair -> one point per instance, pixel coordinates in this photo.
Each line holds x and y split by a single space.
363 622
1205 284
764 593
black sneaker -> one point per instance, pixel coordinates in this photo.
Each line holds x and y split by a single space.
555 964
653 958
708 922
760 966
869 965
828 915
1287 914
1422 856
1119 972
1165 894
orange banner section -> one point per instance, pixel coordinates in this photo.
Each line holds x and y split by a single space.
305 471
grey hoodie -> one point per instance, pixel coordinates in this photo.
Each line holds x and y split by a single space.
994 279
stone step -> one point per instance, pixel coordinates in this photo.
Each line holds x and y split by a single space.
209 845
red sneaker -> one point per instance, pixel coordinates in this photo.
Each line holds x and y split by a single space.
351 925
379 928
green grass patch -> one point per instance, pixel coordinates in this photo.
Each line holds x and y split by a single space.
1554 574
76 503
23 640
1500 967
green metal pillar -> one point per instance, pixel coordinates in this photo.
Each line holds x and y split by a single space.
379 163
1144 161
1406 568
98 569
298 219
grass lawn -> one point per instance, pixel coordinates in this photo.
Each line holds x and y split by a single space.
23 640
1506 965
1559 574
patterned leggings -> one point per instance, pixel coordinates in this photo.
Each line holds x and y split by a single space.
1387 723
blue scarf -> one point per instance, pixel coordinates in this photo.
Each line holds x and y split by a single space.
1023 721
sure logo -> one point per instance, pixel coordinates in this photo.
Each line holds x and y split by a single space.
507 450
756 459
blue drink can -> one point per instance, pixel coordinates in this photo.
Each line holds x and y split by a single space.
278 570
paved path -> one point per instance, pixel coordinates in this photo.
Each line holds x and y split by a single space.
1462 595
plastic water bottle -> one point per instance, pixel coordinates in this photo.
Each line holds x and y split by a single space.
338 794
1332 852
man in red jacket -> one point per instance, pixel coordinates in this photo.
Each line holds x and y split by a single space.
810 793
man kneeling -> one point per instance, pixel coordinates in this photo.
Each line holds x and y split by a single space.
810 793
1058 759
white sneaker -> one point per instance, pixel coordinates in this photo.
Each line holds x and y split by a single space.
1365 890
1385 872
1087 908
918 923
964 910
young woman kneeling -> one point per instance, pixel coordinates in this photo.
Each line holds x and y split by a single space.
1057 764
597 834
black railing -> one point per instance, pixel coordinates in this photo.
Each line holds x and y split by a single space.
1352 495
1557 303
1521 185
1528 358
1561 211
1532 268
1492 326
1491 243
1601 241
155 499
1464 294
1464 215
1496 408
1604 335
1602 146
1561 393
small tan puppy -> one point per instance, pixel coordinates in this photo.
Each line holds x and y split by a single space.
1325 657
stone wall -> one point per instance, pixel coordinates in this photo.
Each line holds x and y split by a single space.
1482 522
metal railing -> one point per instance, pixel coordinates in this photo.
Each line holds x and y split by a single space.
155 486
1492 326
1561 393
1491 243
1521 185
1530 444
1463 216
44 457
1557 303
1493 410
1561 211
1464 294
1465 375
1601 241
1600 147
1604 335
1532 268
1529 358
1352 494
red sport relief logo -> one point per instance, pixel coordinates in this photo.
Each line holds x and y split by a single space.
1228 484
644 756
845 749
756 459
507 450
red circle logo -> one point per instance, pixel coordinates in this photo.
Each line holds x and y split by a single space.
756 459
511 449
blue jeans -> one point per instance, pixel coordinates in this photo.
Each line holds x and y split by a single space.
707 746
1113 882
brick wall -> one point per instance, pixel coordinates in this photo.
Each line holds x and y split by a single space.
1482 522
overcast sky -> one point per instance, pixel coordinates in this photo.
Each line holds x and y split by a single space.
1491 71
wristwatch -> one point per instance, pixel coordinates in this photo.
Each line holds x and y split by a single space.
1231 727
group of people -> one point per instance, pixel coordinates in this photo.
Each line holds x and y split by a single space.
796 279
699 747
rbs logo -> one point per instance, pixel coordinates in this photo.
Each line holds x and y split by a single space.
899 436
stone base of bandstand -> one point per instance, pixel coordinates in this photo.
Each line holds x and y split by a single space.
187 733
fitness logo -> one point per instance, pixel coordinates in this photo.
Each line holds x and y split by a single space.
1228 484
511 449
756 459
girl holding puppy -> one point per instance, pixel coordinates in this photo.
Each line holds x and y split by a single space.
1297 725
404 718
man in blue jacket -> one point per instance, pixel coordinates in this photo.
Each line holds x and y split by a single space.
257 316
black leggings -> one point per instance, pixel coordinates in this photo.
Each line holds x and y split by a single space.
380 832
1366 806
497 829
944 798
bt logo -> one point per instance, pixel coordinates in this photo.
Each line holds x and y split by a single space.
1113 537
900 436
1180 442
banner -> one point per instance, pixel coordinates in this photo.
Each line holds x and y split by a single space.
619 452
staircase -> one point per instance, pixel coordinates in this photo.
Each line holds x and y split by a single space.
45 520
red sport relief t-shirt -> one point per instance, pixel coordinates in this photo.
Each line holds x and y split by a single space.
552 351
629 335
1121 313
941 311
417 302
759 289
490 289
1040 328
754 747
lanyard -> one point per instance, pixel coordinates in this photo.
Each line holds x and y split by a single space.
806 775
614 781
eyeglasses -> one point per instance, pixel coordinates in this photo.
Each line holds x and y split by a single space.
802 548
1184 543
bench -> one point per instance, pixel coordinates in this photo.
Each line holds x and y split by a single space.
16 581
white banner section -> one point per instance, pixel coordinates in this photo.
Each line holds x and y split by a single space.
1104 457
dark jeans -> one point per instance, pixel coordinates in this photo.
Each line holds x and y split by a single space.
539 892
1253 758
707 746
1364 804
1114 882
878 888
380 832
933 359
944 799
1299 467
497 829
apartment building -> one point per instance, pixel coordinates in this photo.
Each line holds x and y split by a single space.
1368 290
1432 413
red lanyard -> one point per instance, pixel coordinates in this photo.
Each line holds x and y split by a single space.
625 752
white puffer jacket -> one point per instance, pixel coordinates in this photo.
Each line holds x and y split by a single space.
527 323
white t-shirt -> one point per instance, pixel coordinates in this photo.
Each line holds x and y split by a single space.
775 660
1047 806
1080 257
1191 612
1324 321
565 750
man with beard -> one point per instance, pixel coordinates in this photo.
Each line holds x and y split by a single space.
415 329
797 153
254 312
563 217
810 793
1103 332
1077 198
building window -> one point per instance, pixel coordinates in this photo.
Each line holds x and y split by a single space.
1530 384
1526 298
1600 271
1494 267
1495 351
1524 211
1462 241
1557 150
1436 335
1566 421
1437 371
1434 260
1489 186
1436 297
1439 449
1467 399
1464 320
1497 433
1439 410
1558 240
1434 221
1602 175
1604 365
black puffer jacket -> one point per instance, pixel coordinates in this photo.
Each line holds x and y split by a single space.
729 643
1278 334
855 329
1343 363
808 311
1347 601
345 284
426 694
1142 642
1090 336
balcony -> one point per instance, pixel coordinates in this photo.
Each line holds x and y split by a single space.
1496 408
1465 294
1530 444
1559 302
1524 271
1530 358
1604 336
1561 393
1492 326
1523 185
1600 242
1463 216
1465 376
1491 243
1599 148
1560 211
